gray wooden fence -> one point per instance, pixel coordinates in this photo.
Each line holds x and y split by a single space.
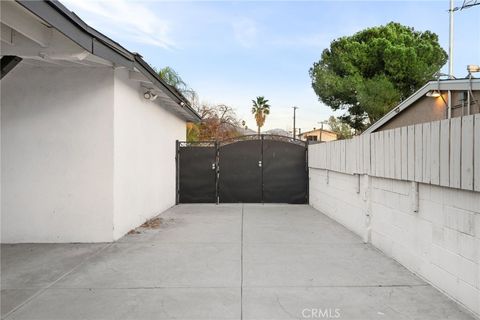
445 153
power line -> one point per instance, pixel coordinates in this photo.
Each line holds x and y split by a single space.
467 4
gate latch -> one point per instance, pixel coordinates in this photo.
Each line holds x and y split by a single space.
260 163
213 166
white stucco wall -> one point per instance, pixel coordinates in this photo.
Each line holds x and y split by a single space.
84 157
56 154
144 155
440 242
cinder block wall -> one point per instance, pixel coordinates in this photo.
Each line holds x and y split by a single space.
435 234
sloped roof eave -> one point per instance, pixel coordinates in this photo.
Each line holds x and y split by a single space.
58 16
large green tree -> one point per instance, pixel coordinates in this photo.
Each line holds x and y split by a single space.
342 129
368 73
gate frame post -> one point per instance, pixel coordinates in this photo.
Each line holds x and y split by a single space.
217 171
261 174
307 170
177 168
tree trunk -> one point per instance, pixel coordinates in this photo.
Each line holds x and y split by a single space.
258 130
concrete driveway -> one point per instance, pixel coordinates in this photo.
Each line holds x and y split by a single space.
219 262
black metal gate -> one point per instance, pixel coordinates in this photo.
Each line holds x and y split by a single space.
196 173
249 169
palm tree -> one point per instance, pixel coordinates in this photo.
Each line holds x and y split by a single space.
171 77
260 110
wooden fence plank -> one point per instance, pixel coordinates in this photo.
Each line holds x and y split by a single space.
426 152
435 152
348 160
359 155
351 152
445 152
476 153
381 154
324 151
335 160
328 154
404 152
311 156
467 153
398 153
367 145
391 155
386 153
455 151
418 152
336 157
411 153
314 155
374 155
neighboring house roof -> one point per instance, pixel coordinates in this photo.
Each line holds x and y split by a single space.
74 28
317 130
442 85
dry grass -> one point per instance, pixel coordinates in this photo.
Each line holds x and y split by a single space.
153 223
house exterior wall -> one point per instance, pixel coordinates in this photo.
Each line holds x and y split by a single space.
144 155
56 154
428 109
326 135
84 157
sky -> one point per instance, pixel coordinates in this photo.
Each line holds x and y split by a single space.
231 52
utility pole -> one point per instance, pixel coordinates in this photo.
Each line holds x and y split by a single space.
294 129
450 42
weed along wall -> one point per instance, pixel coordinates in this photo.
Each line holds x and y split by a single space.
414 193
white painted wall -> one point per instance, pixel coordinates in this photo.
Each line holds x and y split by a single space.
84 157
440 242
144 156
56 154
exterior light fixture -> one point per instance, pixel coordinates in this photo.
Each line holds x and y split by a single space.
433 94
149 95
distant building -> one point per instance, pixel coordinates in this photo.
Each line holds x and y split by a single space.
318 135
430 103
